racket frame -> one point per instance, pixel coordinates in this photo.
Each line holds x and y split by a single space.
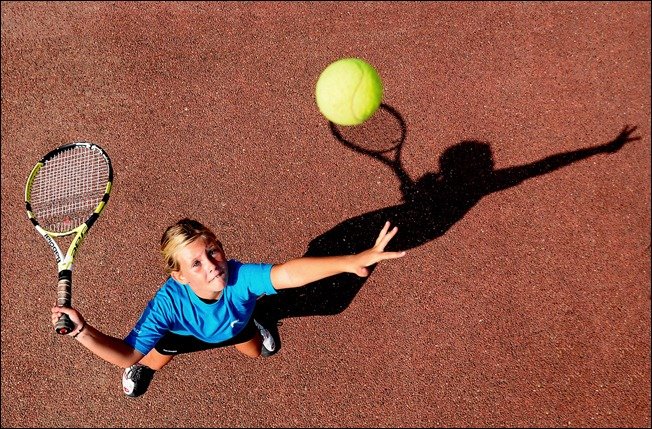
65 263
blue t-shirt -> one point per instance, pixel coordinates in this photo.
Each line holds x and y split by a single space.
176 308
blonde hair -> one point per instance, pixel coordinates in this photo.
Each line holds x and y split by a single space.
180 235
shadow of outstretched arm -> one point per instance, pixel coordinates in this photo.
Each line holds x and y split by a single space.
431 206
508 177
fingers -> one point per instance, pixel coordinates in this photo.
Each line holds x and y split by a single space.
56 315
383 240
377 253
393 255
57 312
382 233
385 237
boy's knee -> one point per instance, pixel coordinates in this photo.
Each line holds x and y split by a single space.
249 350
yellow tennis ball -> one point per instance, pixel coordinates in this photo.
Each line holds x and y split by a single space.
348 91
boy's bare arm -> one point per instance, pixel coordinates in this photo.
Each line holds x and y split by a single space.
111 349
301 271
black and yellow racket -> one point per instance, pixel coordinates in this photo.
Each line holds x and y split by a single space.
65 193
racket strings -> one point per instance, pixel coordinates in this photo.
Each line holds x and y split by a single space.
68 188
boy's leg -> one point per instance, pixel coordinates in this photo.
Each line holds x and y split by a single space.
155 360
252 347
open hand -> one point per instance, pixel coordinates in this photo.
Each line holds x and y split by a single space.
377 253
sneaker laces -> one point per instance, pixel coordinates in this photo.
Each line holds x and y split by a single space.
134 372
139 372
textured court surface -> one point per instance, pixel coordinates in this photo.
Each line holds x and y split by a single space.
527 306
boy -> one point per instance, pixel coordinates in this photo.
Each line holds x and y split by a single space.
208 302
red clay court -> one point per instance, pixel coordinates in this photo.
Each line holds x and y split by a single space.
524 298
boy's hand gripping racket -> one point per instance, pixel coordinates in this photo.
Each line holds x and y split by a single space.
65 193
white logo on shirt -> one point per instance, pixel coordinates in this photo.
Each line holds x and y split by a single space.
234 322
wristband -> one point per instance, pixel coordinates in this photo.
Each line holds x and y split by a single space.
79 332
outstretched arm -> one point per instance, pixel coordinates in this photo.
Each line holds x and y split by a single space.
301 271
508 177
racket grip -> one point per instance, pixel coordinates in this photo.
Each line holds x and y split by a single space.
64 299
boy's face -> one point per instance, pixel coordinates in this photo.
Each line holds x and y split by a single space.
202 265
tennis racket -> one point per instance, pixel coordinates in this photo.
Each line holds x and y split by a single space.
65 193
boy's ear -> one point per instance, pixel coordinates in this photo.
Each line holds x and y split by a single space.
176 275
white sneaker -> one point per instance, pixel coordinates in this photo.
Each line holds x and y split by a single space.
136 379
269 346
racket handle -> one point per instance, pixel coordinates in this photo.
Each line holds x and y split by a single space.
64 325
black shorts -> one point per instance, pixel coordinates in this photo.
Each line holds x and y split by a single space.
174 344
